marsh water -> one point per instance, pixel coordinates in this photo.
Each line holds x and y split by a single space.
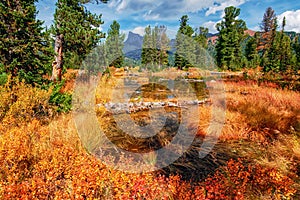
157 110
153 110
161 89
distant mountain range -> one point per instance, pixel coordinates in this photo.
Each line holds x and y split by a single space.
134 42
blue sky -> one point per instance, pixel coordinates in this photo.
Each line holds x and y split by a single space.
135 15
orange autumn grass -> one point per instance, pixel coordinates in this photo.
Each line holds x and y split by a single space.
48 162
260 113
41 156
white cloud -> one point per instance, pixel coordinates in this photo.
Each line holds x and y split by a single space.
196 5
139 30
132 5
223 5
292 20
122 5
256 28
113 3
157 9
211 26
150 16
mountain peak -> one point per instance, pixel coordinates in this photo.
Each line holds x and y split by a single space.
133 45
134 38
130 33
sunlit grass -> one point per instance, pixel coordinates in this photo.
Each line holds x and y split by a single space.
44 157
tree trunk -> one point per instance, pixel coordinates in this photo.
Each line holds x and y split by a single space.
57 64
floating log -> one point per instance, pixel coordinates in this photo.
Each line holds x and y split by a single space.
133 107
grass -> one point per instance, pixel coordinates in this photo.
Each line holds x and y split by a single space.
269 111
259 122
257 155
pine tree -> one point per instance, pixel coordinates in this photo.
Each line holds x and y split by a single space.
155 48
201 36
285 49
279 53
211 49
268 21
251 52
231 34
296 49
271 60
114 45
285 52
267 36
185 46
201 47
24 50
163 46
147 47
76 32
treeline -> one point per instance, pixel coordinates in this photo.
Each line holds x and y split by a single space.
32 53
190 49
270 48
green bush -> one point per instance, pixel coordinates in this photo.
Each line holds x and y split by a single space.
3 78
63 101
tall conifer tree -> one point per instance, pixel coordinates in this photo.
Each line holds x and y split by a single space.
114 45
185 45
155 47
76 32
228 47
24 50
147 47
251 52
267 36
296 50
201 47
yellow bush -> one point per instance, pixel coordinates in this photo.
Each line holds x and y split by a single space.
22 103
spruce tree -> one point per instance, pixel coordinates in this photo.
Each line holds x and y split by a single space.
285 52
185 46
163 46
147 48
76 32
114 45
155 48
268 21
268 32
285 49
296 50
231 34
201 47
24 50
279 52
211 49
251 52
201 36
